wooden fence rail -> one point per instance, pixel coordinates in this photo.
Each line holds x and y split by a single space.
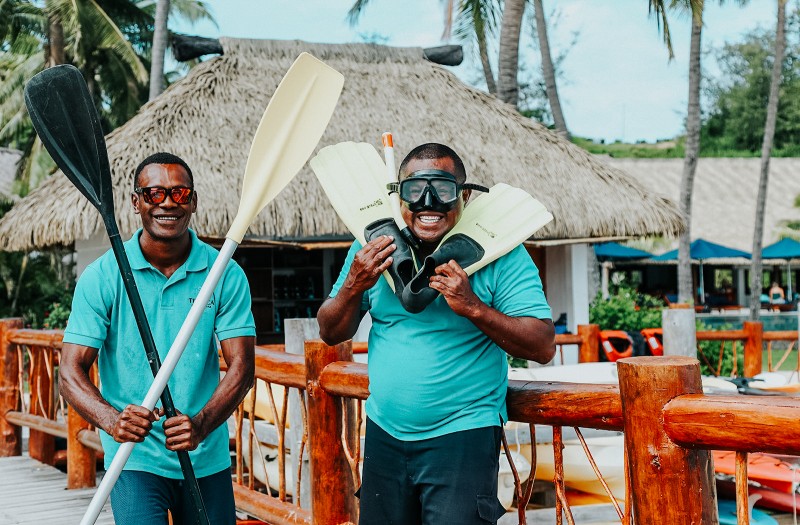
668 430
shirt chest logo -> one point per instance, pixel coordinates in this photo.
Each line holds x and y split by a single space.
210 303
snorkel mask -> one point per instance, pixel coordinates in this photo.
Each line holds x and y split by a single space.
434 190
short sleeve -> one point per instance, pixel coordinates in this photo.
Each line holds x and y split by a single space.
90 317
234 316
518 287
348 261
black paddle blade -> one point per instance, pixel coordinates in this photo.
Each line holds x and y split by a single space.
66 120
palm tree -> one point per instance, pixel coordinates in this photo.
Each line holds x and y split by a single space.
36 35
189 10
159 48
476 20
508 59
766 151
548 71
692 147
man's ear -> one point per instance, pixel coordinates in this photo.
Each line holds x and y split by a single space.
194 201
135 202
466 194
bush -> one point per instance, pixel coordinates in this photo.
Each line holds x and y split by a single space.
708 354
626 310
56 317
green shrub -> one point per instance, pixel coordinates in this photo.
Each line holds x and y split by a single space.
57 316
708 354
626 310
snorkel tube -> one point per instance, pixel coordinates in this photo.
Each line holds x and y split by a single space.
394 197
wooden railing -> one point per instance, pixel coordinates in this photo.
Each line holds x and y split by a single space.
668 431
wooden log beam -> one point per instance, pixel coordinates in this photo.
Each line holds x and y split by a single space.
741 423
90 439
38 423
269 509
346 379
449 55
721 335
332 484
569 339
10 434
188 47
780 335
51 338
565 404
671 484
279 367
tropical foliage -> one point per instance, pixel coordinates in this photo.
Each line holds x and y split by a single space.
626 309
738 95
108 40
35 286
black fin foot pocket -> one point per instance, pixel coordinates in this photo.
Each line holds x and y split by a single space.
459 248
402 269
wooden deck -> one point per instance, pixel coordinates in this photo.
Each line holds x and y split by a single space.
34 493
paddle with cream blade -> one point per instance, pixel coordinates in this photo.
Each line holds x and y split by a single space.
290 129
64 116
394 197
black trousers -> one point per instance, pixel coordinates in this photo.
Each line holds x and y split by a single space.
142 498
450 479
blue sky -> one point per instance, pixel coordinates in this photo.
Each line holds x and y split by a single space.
617 81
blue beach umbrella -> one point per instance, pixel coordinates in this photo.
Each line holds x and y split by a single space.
784 249
612 251
609 252
702 250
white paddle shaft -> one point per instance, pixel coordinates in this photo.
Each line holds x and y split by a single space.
161 379
391 172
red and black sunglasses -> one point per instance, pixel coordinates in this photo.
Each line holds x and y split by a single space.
158 194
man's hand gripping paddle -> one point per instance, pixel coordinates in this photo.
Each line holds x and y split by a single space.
290 129
66 120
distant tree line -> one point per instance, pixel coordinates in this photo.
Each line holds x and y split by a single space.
737 97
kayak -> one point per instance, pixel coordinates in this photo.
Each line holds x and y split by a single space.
767 470
770 498
727 514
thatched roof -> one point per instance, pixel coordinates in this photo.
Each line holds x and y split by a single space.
8 167
209 119
724 196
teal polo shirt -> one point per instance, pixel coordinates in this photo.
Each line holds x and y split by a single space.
434 373
102 318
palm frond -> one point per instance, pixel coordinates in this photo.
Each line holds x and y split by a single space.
658 9
355 11
109 36
192 11
476 18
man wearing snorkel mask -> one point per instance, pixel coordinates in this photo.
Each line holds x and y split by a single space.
438 379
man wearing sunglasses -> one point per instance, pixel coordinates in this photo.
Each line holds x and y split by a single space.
169 264
438 378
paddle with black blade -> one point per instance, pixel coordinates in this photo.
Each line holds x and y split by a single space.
290 129
66 120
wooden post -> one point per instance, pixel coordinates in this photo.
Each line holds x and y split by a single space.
753 348
10 435
590 346
680 330
671 484
81 466
41 445
332 487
